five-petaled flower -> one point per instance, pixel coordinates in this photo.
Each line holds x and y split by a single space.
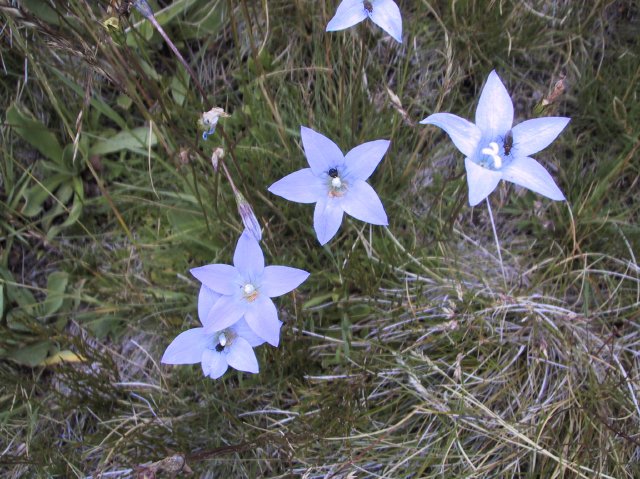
217 350
246 289
384 13
336 183
495 150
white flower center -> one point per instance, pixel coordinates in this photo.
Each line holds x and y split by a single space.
492 151
224 339
250 292
336 185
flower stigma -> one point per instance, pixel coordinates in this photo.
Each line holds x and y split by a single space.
336 185
492 151
222 342
250 292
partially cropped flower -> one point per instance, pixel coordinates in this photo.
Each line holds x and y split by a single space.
246 289
384 13
495 150
335 182
248 216
210 120
216 351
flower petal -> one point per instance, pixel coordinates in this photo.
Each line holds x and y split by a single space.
221 278
301 186
531 136
481 181
262 318
327 218
206 299
322 153
494 115
363 159
187 347
527 172
214 364
386 15
464 134
278 280
226 311
363 203
348 14
242 329
242 357
248 257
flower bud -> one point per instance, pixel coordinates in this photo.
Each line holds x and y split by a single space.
248 216
143 7
216 156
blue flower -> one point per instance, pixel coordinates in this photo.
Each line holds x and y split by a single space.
384 13
336 183
217 350
495 150
246 289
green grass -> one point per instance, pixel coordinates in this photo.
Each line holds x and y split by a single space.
404 354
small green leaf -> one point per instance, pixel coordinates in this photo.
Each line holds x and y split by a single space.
56 285
136 140
42 10
31 355
180 86
207 19
123 101
35 133
318 300
102 326
17 293
18 320
36 195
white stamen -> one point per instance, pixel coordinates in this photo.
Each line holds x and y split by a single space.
249 289
222 340
336 182
492 151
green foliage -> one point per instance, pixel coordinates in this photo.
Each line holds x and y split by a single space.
404 354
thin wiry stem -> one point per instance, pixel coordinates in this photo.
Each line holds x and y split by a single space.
495 236
143 7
